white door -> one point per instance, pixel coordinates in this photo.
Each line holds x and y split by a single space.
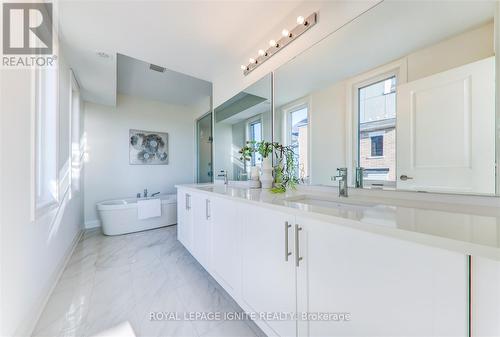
446 131
268 281
184 218
226 237
201 229
389 287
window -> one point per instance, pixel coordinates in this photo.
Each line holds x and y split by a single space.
377 146
377 131
255 134
46 130
298 136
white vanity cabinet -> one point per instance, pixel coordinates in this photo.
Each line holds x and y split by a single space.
273 262
268 269
201 244
485 295
226 241
185 218
389 287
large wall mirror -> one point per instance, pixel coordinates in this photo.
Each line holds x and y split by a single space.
244 117
406 92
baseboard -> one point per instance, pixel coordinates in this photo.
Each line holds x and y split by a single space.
28 331
92 224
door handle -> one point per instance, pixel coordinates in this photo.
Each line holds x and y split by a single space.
287 253
298 258
207 209
404 177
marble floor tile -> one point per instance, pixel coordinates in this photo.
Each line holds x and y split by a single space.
111 280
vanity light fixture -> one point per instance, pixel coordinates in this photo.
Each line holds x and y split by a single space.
303 25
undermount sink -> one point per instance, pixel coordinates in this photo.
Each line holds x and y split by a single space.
325 202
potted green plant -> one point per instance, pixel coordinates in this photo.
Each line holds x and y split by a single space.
285 164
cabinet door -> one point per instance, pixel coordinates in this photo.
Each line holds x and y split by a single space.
201 229
390 287
485 280
268 278
185 219
226 236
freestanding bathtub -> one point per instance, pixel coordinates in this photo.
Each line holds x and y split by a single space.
120 216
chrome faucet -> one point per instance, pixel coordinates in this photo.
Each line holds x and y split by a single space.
342 178
223 173
155 194
360 172
145 193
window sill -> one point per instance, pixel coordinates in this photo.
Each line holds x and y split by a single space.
45 208
375 157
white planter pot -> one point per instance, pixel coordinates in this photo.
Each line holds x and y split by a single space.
266 175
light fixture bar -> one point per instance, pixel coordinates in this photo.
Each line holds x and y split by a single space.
277 45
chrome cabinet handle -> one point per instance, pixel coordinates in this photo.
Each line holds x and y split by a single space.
287 253
207 209
404 177
188 201
298 258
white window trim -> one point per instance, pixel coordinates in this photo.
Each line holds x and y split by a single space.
75 155
397 68
287 110
249 122
40 209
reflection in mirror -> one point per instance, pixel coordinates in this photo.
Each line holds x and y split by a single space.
401 101
244 117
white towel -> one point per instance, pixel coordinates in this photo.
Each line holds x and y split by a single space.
149 208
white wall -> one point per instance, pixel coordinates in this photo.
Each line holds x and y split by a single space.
108 174
33 253
223 149
470 46
327 133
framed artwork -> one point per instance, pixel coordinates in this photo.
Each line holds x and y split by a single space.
148 147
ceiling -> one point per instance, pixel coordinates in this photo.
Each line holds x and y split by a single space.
197 38
386 33
135 78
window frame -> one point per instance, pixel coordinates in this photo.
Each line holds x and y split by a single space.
287 110
397 69
252 121
42 204
379 141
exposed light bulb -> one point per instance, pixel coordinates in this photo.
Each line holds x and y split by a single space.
272 43
251 60
300 20
285 33
261 52
243 67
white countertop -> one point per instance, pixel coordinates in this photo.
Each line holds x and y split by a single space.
468 229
